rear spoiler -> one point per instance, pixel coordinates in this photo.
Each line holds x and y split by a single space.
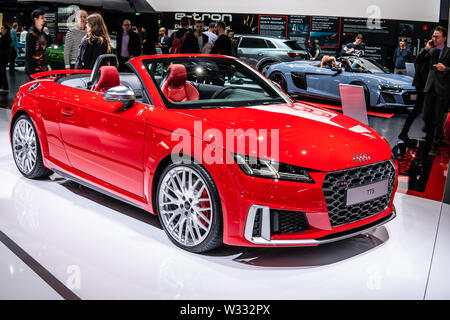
53 73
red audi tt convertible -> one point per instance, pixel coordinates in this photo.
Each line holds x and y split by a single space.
216 150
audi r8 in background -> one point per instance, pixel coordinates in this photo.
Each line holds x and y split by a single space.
148 136
381 88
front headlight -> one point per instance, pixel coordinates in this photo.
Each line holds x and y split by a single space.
269 169
392 89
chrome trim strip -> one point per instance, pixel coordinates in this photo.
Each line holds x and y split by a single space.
265 237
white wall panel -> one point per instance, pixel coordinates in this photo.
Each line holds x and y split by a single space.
416 10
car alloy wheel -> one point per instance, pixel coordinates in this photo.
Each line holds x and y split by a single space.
279 78
26 149
24 146
187 207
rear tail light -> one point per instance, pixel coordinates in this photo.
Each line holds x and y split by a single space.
295 54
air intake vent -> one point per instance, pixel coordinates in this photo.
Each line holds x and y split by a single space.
299 79
287 222
258 223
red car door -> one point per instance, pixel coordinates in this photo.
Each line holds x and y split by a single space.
102 140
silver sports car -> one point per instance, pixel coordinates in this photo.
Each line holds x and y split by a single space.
381 88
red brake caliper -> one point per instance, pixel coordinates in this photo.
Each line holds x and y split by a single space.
205 204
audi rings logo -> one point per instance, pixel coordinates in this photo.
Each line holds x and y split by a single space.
363 157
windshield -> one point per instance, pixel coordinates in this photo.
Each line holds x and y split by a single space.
206 82
293 45
361 65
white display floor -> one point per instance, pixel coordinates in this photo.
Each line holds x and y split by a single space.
95 247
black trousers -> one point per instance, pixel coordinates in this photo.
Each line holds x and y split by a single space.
414 112
122 61
435 108
3 78
12 62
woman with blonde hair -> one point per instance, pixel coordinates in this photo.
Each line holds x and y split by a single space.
95 43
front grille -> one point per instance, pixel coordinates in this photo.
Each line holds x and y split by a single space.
334 190
287 222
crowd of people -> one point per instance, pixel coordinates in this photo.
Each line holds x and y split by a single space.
89 38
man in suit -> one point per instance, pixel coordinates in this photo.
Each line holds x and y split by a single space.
420 79
163 41
437 87
128 45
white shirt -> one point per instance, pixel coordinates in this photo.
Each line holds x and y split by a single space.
23 36
212 37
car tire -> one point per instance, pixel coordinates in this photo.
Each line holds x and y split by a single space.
265 66
278 77
366 92
188 207
27 150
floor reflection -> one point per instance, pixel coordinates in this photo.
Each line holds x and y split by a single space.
296 257
110 202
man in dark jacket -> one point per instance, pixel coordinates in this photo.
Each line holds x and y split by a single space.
437 87
128 45
37 42
163 41
402 55
223 43
177 42
420 78
198 39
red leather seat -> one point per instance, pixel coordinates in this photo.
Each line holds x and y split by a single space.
175 88
109 78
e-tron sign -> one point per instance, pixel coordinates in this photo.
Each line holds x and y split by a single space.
414 10
205 16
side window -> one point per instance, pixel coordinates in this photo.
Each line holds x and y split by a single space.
252 43
270 44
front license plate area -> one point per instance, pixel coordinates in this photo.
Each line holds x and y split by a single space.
367 192
413 97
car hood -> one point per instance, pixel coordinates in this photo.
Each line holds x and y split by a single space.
308 136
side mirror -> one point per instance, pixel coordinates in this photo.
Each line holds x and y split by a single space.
121 94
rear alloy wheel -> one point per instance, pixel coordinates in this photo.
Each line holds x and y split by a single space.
280 79
189 208
26 149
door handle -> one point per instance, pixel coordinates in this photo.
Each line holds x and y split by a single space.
260 54
67 112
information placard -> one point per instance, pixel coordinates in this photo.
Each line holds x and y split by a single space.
275 26
326 30
298 29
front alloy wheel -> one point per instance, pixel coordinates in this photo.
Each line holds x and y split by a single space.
189 208
26 149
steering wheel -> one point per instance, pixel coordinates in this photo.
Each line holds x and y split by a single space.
220 91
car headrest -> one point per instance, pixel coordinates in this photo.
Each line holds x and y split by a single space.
177 76
109 77
102 60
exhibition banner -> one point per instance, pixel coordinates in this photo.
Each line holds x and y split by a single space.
372 10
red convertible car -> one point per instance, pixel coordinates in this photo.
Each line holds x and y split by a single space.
216 150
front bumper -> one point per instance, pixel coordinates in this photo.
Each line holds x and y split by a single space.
298 214
265 234
405 98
